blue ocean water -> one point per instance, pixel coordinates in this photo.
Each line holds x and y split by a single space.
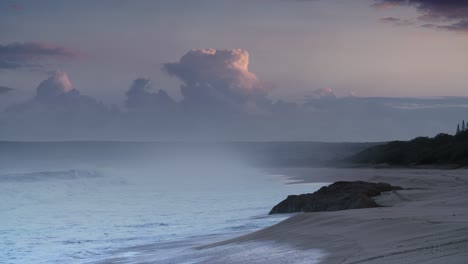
86 214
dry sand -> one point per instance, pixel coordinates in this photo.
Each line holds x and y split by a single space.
426 223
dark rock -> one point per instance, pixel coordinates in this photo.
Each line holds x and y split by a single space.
338 196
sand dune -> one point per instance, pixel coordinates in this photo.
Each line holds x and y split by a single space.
426 223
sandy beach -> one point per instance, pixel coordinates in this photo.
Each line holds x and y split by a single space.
425 223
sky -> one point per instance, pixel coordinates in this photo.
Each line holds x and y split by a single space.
131 69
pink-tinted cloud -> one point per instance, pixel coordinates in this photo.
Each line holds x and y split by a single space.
57 84
211 66
33 54
385 5
57 95
217 76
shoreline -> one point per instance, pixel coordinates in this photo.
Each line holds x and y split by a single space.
426 223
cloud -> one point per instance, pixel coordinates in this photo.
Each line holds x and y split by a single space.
217 77
57 112
32 54
396 21
56 85
390 19
56 94
141 97
446 14
461 26
385 5
4 89
222 100
324 93
60 112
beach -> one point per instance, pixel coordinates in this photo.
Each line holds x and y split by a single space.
425 223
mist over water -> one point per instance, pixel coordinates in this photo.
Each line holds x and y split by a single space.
53 212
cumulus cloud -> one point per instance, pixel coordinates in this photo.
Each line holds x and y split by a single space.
141 97
443 14
217 77
32 54
57 111
56 85
57 94
213 82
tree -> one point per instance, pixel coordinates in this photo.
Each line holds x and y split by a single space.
463 128
458 129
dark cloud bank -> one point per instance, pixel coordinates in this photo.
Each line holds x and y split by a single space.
440 14
222 100
32 54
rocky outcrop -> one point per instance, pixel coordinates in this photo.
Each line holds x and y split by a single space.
340 195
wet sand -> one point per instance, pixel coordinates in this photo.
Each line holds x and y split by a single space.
426 223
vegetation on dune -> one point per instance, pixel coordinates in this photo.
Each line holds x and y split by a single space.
442 149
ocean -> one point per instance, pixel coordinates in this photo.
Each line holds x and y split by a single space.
134 212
